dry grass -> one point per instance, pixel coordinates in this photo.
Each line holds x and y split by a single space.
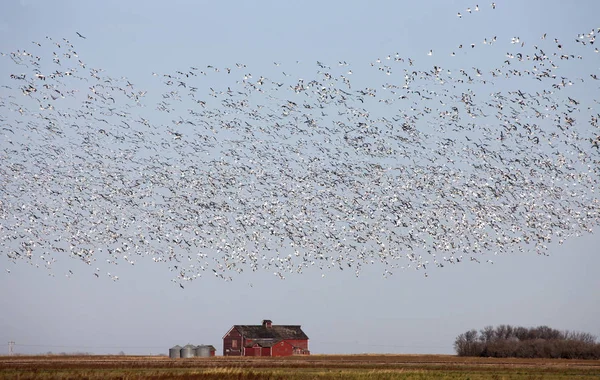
306 367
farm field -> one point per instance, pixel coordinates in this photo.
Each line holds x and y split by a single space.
305 367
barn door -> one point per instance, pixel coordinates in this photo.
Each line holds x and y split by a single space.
257 351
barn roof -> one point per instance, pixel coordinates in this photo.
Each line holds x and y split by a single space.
275 332
210 346
263 342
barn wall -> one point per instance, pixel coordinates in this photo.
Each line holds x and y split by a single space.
249 351
228 349
283 348
257 351
302 343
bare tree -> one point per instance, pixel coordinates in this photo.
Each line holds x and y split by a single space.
467 344
487 334
535 342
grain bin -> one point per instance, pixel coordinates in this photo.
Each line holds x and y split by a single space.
203 351
188 351
175 352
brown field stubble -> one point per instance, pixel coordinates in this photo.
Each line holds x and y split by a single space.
306 367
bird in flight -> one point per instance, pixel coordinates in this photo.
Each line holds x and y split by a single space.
158 200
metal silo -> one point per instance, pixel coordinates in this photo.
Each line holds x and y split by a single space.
188 351
175 352
203 351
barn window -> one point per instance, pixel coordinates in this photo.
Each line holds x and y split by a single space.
234 344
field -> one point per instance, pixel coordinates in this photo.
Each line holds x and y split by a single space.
306 367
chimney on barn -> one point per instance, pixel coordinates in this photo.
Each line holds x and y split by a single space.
267 323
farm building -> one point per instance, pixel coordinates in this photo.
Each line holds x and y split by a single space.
204 350
190 351
265 340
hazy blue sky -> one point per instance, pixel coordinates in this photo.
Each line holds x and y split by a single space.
406 313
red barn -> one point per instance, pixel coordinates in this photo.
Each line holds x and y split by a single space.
265 340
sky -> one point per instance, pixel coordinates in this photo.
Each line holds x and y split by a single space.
145 313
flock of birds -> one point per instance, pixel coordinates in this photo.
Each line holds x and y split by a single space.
431 167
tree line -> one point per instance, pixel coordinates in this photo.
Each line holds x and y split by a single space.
506 341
